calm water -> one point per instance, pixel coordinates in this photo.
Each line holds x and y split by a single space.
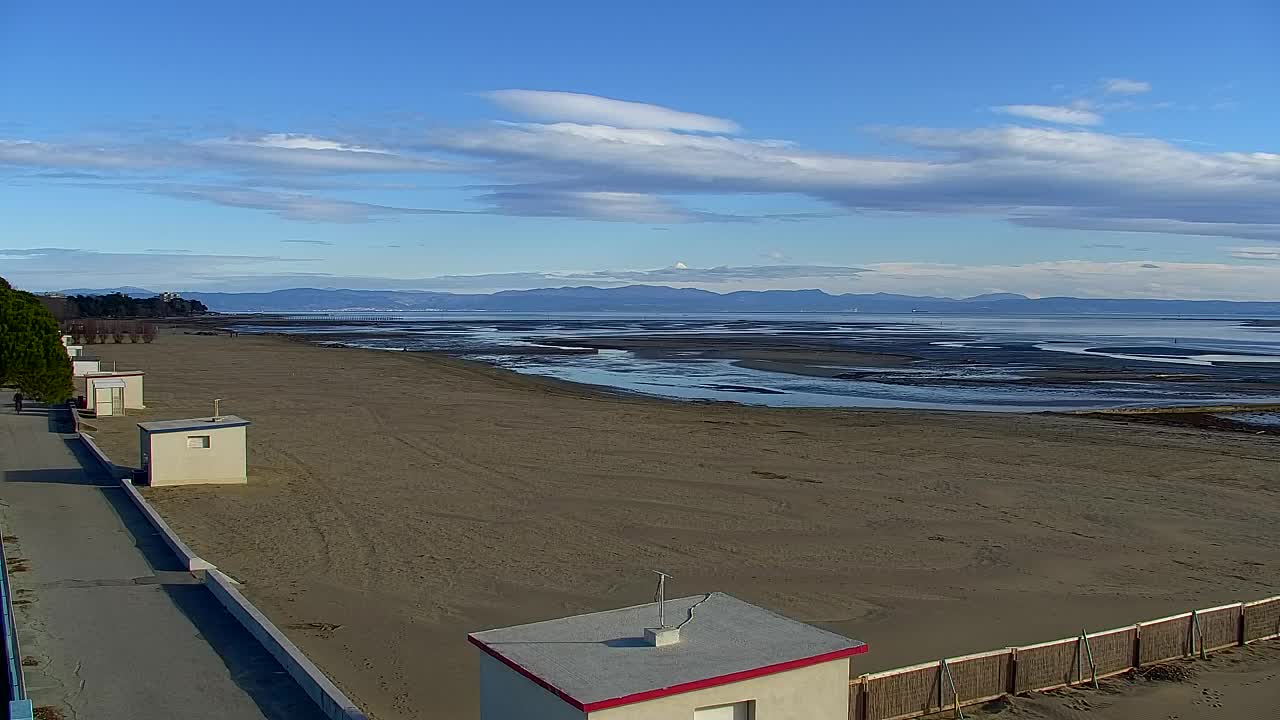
960 362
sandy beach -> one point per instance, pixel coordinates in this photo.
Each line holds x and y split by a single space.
400 500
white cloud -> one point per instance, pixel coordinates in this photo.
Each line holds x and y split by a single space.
1081 278
1125 86
1052 113
60 268
1034 176
596 205
1070 178
302 142
291 206
270 153
591 109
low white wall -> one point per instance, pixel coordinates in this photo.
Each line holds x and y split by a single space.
179 548
333 703
93 448
326 695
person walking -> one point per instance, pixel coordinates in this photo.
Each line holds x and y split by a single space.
17 402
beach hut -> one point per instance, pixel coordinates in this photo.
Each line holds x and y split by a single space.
105 396
195 451
718 658
132 396
83 365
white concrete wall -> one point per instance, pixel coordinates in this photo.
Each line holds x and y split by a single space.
133 399
817 692
333 703
80 368
173 463
507 695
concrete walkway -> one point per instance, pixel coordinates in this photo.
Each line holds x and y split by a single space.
119 630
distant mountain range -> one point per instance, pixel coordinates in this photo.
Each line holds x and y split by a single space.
657 298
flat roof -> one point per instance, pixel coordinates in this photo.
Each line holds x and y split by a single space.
116 373
601 660
205 423
106 382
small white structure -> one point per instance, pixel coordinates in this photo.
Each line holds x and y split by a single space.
72 349
132 397
105 396
195 451
83 365
721 659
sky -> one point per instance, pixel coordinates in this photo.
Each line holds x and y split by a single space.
1096 149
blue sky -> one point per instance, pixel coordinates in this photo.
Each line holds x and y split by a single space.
1119 149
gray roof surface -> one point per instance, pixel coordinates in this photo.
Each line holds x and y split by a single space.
204 423
602 656
116 373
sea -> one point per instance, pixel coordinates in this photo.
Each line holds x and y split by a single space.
995 363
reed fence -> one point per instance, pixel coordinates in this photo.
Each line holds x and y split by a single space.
953 683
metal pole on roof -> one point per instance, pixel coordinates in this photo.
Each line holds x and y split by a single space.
217 406
661 597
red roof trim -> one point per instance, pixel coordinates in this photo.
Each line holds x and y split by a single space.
724 679
521 669
674 689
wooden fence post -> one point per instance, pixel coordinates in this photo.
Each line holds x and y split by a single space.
1013 670
1137 646
1240 626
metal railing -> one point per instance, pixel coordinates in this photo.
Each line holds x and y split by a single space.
18 705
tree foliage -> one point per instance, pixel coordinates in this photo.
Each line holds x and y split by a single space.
119 305
31 354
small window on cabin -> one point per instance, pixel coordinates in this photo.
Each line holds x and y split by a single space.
197 441
745 710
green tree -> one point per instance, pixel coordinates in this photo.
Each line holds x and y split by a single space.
31 354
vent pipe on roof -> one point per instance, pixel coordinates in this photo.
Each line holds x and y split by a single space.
217 407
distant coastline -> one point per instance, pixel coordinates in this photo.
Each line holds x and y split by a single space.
661 298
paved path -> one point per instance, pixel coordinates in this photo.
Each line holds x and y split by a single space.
119 630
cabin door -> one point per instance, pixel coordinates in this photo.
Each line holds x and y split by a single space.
102 401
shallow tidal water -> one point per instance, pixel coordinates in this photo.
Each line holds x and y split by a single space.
929 361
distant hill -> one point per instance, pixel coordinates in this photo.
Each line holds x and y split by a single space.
995 296
129 290
652 298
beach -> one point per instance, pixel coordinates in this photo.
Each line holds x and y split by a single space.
398 500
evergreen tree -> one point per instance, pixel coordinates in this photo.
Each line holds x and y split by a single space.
31 354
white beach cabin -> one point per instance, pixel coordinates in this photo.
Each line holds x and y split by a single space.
68 342
132 397
105 396
195 451
83 365
719 659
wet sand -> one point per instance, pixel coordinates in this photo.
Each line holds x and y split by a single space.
399 500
